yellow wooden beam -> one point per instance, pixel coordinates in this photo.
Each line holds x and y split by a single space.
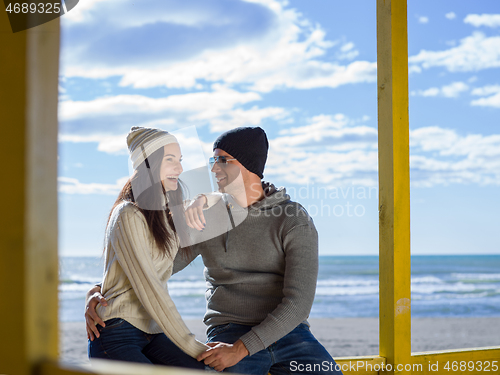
426 363
394 183
12 220
475 361
28 224
365 365
107 367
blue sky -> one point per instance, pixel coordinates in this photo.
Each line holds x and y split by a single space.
306 73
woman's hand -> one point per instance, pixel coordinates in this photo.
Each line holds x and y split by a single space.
92 299
222 355
194 213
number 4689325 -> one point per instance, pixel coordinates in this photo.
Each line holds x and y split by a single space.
471 366
33 8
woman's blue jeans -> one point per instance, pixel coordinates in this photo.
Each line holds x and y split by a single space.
121 341
296 353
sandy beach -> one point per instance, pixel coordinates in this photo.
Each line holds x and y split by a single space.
341 337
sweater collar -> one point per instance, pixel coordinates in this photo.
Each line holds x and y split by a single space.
272 197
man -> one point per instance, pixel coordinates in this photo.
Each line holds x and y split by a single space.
261 273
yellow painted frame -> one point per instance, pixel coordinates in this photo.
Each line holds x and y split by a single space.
28 225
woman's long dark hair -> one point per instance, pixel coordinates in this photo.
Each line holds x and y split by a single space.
151 198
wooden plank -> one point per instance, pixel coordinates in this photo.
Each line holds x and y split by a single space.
421 363
459 362
12 117
28 227
41 231
366 365
394 183
55 368
113 368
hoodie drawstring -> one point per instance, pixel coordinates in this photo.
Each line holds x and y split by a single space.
226 235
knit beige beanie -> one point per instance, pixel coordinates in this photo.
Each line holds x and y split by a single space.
142 142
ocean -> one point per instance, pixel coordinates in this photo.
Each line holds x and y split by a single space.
442 286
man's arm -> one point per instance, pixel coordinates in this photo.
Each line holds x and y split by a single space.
183 258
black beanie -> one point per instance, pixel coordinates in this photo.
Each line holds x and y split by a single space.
248 145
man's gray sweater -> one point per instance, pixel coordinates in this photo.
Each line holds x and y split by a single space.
262 272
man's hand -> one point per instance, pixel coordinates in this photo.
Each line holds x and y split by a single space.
222 355
92 299
194 213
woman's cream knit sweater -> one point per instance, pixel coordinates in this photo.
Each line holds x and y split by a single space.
135 280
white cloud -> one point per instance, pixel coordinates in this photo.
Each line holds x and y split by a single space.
475 52
433 91
83 11
262 45
221 99
477 20
106 117
111 144
73 186
492 94
347 52
414 69
452 90
450 15
443 157
448 143
251 117
486 90
328 149
433 138
338 151
127 13
318 124
423 19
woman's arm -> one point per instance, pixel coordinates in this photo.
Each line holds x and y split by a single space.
133 247
194 209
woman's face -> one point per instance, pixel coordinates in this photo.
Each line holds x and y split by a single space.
171 167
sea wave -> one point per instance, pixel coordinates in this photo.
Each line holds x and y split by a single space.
478 277
426 280
335 291
455 296
457 288
347 283
426 285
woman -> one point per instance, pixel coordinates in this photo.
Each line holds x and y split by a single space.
141 321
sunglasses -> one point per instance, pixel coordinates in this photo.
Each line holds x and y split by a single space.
221 160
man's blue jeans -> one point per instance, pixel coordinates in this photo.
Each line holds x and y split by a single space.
121 341
296 353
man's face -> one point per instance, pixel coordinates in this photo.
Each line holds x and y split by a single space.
226 174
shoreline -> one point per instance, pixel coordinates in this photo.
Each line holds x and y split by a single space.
342 337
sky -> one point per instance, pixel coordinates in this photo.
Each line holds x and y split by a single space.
305 71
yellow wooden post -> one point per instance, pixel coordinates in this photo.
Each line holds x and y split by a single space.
28 223
394 183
